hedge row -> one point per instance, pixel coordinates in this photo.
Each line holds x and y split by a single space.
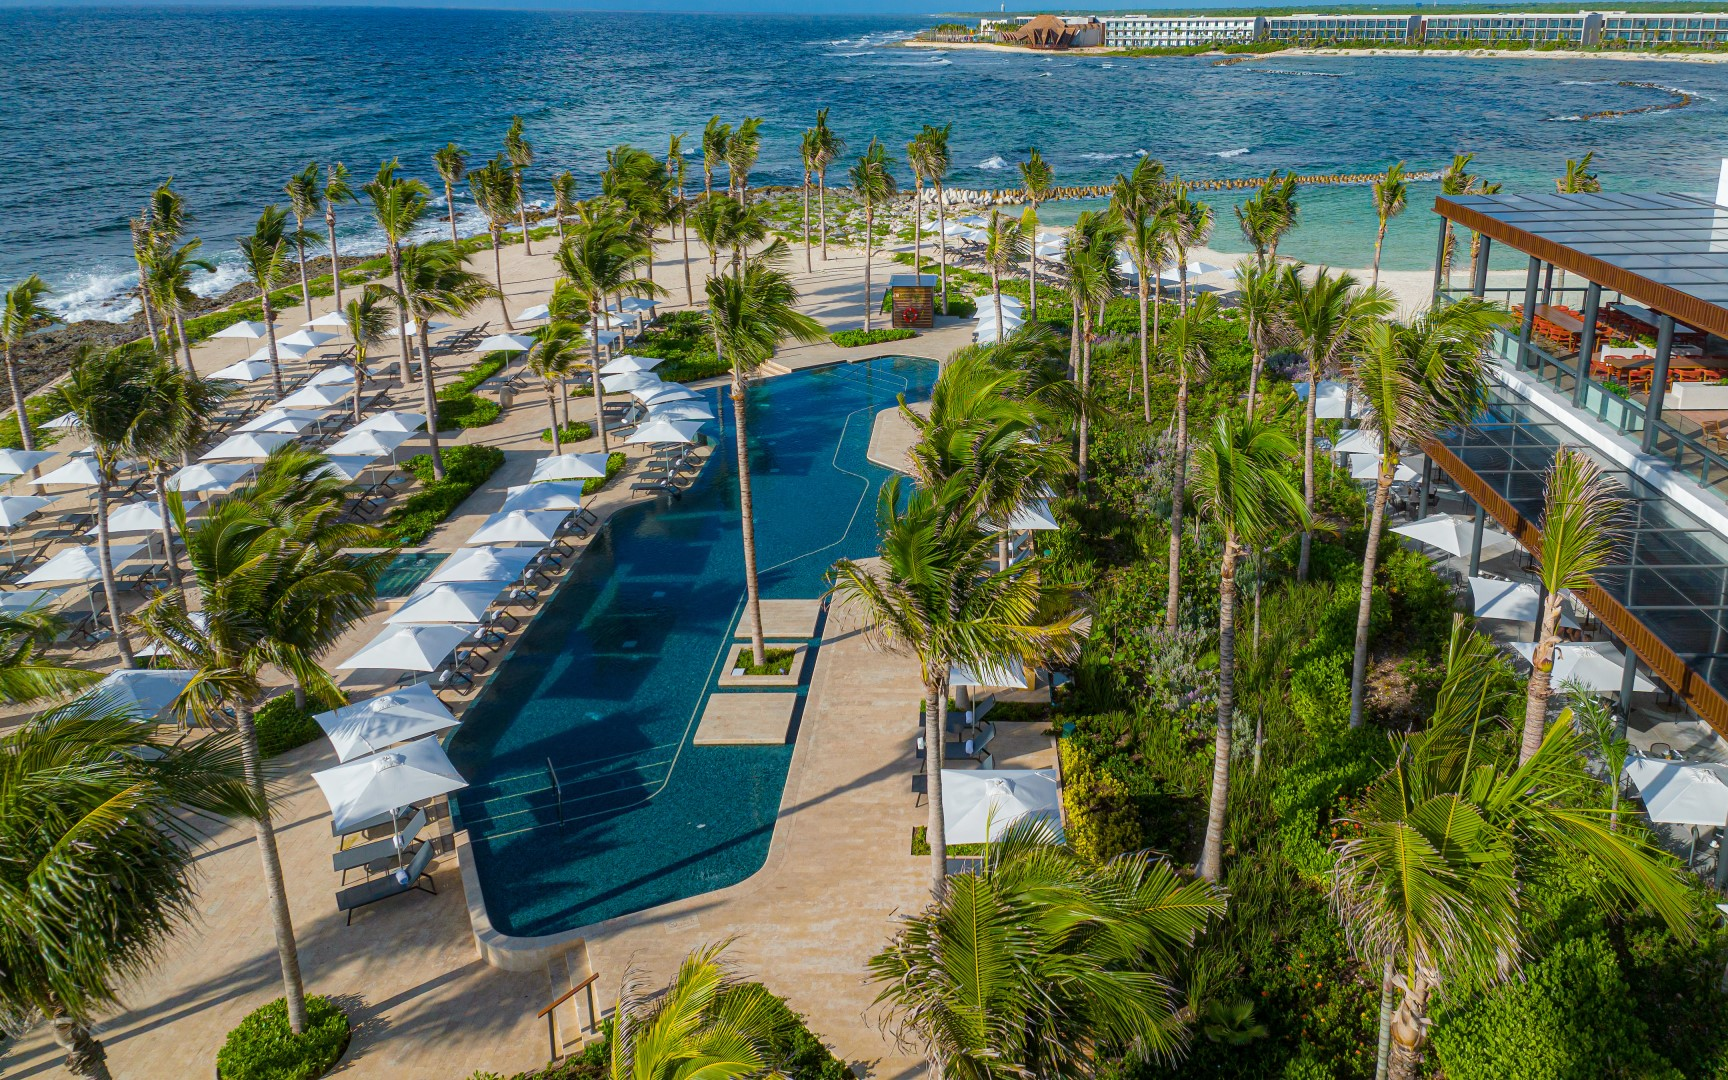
465 468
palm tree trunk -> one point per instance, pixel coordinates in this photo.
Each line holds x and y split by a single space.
18 409
335 259
1308 469
1383 1045
1032 278
359 379
300 248
1379 238
869 238
105 560
498 273
1212 853
552 415
1073 337
522 216
599 391
822 208
996 290
185 345
1254 374
429 396
918 226
1085 402
942 245
689 290
564 399
275 889
406 371
450 205
1365 606
747 519
1145 358
270 340
1541 680
935 731
144 305
84 1055
1407 1033
1178 491
160 475
808 268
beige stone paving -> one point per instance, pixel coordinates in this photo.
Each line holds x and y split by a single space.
758 718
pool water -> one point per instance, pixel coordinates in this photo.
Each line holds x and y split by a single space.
404 573
587 798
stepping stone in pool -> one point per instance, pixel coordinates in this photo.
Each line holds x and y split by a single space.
786 620
746 720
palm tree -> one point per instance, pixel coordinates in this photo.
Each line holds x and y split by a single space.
451 162
24 312
677 173
169 283
937 598
368 323
639 184
705 1025
1240 483
1280 197
1190 354
397 206
831 146
26 675
1390 195
915 162
1004 247
1578 179
521 155
279 588
158 225
1606 738
142 244
809 146
172 410
1193 228
436 282
933 149
1036 180
715 137
1582 515
1140 201
1042 964
749 314
563 200
1324 317
336 190
265 256
556 357
873 183
1487 188
304 201
1454 181
1415 381
742 150
99 819
599 260
1093 279
494 191
1259 221
1440 848
1260 300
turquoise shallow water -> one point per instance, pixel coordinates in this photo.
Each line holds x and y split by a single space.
604 689
104 103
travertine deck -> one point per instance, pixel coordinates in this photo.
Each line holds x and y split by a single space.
783 620
891 437
754 719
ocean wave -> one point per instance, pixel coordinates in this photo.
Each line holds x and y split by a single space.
1238 152
99 295
843 55
1097 156
993 163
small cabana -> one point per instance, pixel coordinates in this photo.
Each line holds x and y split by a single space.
913 300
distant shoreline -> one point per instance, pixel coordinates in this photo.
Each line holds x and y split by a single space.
1468 54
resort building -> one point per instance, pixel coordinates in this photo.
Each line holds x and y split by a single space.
1619 28
1546 28
1619 347
1167 32
1319 29
1056 32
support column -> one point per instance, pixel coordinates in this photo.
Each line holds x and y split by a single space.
1480 286
1658 380
1427 486
1527 321
1587 343
1476 539
1548 286
1628 677
1440 262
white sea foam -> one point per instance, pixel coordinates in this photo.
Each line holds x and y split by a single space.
96 294
1096 156
1238 152
993 163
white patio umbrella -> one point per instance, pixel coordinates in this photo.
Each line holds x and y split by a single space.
78 564
989 333
681 410
410 648
534 314
250 331
243 371
317 397
1004 675
609 321
1357 441
283 352
136 517
1594 665
635 303
1367 467
569 467
413 327
19 462
379 784
15 509
30 599
448 602
665 431
309 339
348 467
331 376
64 422
1200 266
148 692
519 526
1514 601
549 495
1051 251
372 442
153 648
79 472
978 805
392 421
1681 792
1034 516
329 318
247 444
1333 395
954 228
289 421
1453 535
371 725
217 477
483 564
629 382
505 343
622 364
1010 302
669 392
602 337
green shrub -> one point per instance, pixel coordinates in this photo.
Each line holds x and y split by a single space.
282 727
614 462
1102 820
961 307
852 339
572 432
1309 793
262 1048
458 404
42 407
1421 601
921 844
465 468
683 341
1320 693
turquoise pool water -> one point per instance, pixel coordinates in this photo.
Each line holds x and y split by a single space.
404 573
592 716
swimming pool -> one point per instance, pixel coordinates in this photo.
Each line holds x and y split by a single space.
593 715
404 573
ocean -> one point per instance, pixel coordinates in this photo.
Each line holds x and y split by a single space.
104 104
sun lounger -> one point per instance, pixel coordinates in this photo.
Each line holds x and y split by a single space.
402 881
373 851
380 821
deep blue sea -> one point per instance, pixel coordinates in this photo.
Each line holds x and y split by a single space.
102 104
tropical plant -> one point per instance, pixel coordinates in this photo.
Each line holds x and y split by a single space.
451 161
829 148
742 149
1390 195
554 359
25 675
934 163
336 190
1578 179
1140 199
638 183
1605 736
437 282
494 191
808 148
1455 180
171 411
598 260
24 313
1037 179
1438 851
1324 315
99 820
715 137
1240 483
521 154
168 282
1582 517
1414 381
677 173
160 224
1189 354
264 254
1260 301
304 200
563 200
1004 246
705 1025
749 314
398 205
1279 195
1258 219
368 324
873 184
1043 964
937 598
1192 229
1094 278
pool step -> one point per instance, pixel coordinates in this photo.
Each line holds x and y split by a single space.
769 368
548 798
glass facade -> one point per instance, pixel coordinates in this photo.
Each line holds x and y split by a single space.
1657 29
1319 28
1488 28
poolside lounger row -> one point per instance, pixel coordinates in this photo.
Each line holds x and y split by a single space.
373 853
405 880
